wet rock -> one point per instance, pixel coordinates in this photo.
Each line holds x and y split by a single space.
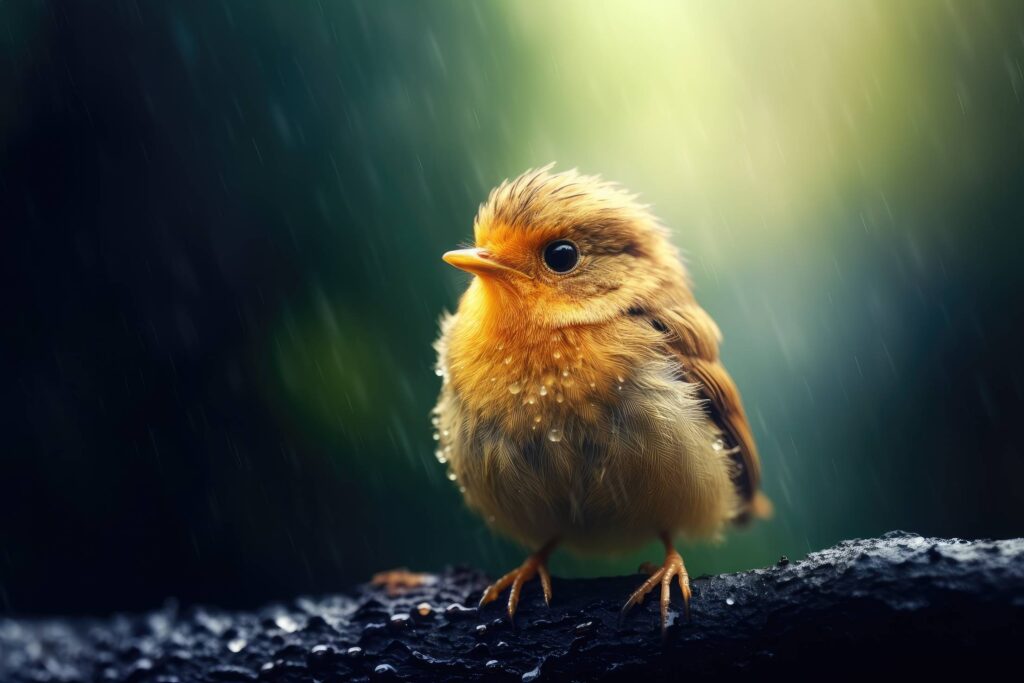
900 604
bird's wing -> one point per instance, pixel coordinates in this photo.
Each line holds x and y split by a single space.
693 337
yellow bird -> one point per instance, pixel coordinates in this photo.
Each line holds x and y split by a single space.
583 402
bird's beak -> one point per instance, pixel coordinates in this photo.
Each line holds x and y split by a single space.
478 261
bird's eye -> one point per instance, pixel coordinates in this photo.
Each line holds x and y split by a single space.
561 256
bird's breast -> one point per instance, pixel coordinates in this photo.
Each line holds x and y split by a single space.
586 435
531 383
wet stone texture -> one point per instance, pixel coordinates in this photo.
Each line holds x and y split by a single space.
900 604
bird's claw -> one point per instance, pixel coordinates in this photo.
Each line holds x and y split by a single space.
534 565
672 567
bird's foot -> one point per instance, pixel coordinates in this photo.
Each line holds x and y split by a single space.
673 567
534 565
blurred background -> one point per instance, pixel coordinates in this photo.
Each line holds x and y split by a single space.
220 235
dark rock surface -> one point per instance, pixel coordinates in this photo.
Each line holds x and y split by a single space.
900 604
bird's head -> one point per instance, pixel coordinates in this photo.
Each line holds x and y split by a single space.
560 249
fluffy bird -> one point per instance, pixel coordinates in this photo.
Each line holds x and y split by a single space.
583 402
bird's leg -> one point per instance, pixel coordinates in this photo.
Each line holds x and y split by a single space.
672 567
535 564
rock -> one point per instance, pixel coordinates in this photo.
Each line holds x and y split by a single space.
899 604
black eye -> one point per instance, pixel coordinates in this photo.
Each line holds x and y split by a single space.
561 256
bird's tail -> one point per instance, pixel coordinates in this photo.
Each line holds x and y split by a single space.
761 506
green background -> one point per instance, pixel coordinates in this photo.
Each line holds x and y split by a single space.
223 238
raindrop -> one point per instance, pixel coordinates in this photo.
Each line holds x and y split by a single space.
515 388
554 434
452 476
385 670
437 436
439 454
543 391
439 372
321 651
286 623
718 445
455 610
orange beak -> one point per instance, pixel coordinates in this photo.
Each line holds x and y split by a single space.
479 262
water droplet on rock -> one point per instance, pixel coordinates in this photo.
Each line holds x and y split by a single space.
455 610
237 644
384 671
286 623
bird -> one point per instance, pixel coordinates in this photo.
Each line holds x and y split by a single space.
583 402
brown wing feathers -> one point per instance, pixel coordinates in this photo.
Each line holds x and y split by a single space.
694 337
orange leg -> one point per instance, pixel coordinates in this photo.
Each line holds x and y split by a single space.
672 567
534 565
